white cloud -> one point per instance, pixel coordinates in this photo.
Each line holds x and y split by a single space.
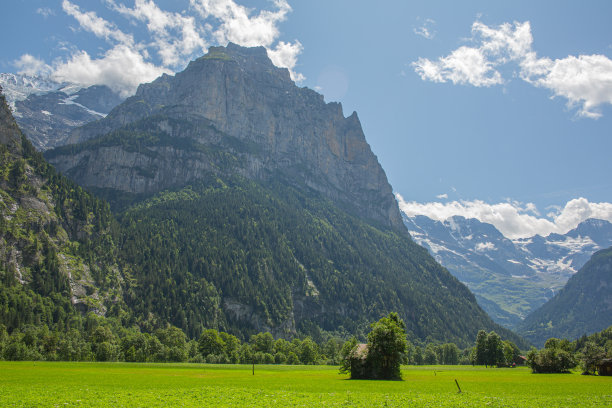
585 81
30 65
173 40
442 196
465 65
513 219
426 30
285 55
240 25
96 25
45 11
121 68
174 36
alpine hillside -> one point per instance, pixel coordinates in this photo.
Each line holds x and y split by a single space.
57 258
583 306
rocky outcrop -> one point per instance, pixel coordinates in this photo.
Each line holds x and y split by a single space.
283 129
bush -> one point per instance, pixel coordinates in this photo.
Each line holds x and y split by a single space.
550 360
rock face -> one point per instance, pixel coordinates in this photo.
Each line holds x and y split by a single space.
235 100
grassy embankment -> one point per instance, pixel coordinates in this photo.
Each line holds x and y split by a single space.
43 384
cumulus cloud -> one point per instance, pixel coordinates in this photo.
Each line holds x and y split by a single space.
240 25
175 36
30 65
285 55
584 80
465 65
98 26
121 68
513 219
172 40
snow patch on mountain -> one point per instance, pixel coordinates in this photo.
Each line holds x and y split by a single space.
70 101
485 246
17 87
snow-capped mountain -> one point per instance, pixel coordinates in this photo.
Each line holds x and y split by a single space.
17 87
47 111
510 278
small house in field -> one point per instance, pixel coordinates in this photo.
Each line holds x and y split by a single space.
604 367
358 359
521 360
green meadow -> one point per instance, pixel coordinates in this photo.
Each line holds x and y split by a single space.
51 384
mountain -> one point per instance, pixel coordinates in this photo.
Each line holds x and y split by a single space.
56 260
48 111
248 204
17 87
510 278
234 100
583 306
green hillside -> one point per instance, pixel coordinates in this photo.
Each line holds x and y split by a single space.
245 257
583 306
55 241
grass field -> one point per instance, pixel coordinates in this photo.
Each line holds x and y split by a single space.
42 384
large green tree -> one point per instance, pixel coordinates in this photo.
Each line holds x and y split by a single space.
495 350
481 347
386 345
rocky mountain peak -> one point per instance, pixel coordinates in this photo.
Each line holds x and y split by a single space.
254 59
238 93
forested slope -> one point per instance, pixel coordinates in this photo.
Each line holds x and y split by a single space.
56 249
583 306
245 257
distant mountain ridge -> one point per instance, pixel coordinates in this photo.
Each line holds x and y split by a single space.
583 306
47 111
510 278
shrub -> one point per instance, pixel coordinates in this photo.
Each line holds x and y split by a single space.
553 359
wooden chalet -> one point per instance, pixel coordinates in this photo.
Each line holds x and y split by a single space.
358 358
604 367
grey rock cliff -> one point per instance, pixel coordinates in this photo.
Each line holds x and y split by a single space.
236 93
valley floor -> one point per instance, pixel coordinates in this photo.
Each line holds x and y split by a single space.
50 384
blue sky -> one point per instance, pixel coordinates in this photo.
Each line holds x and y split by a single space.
499 110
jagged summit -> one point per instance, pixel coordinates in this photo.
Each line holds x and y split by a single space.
252 59
237 92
